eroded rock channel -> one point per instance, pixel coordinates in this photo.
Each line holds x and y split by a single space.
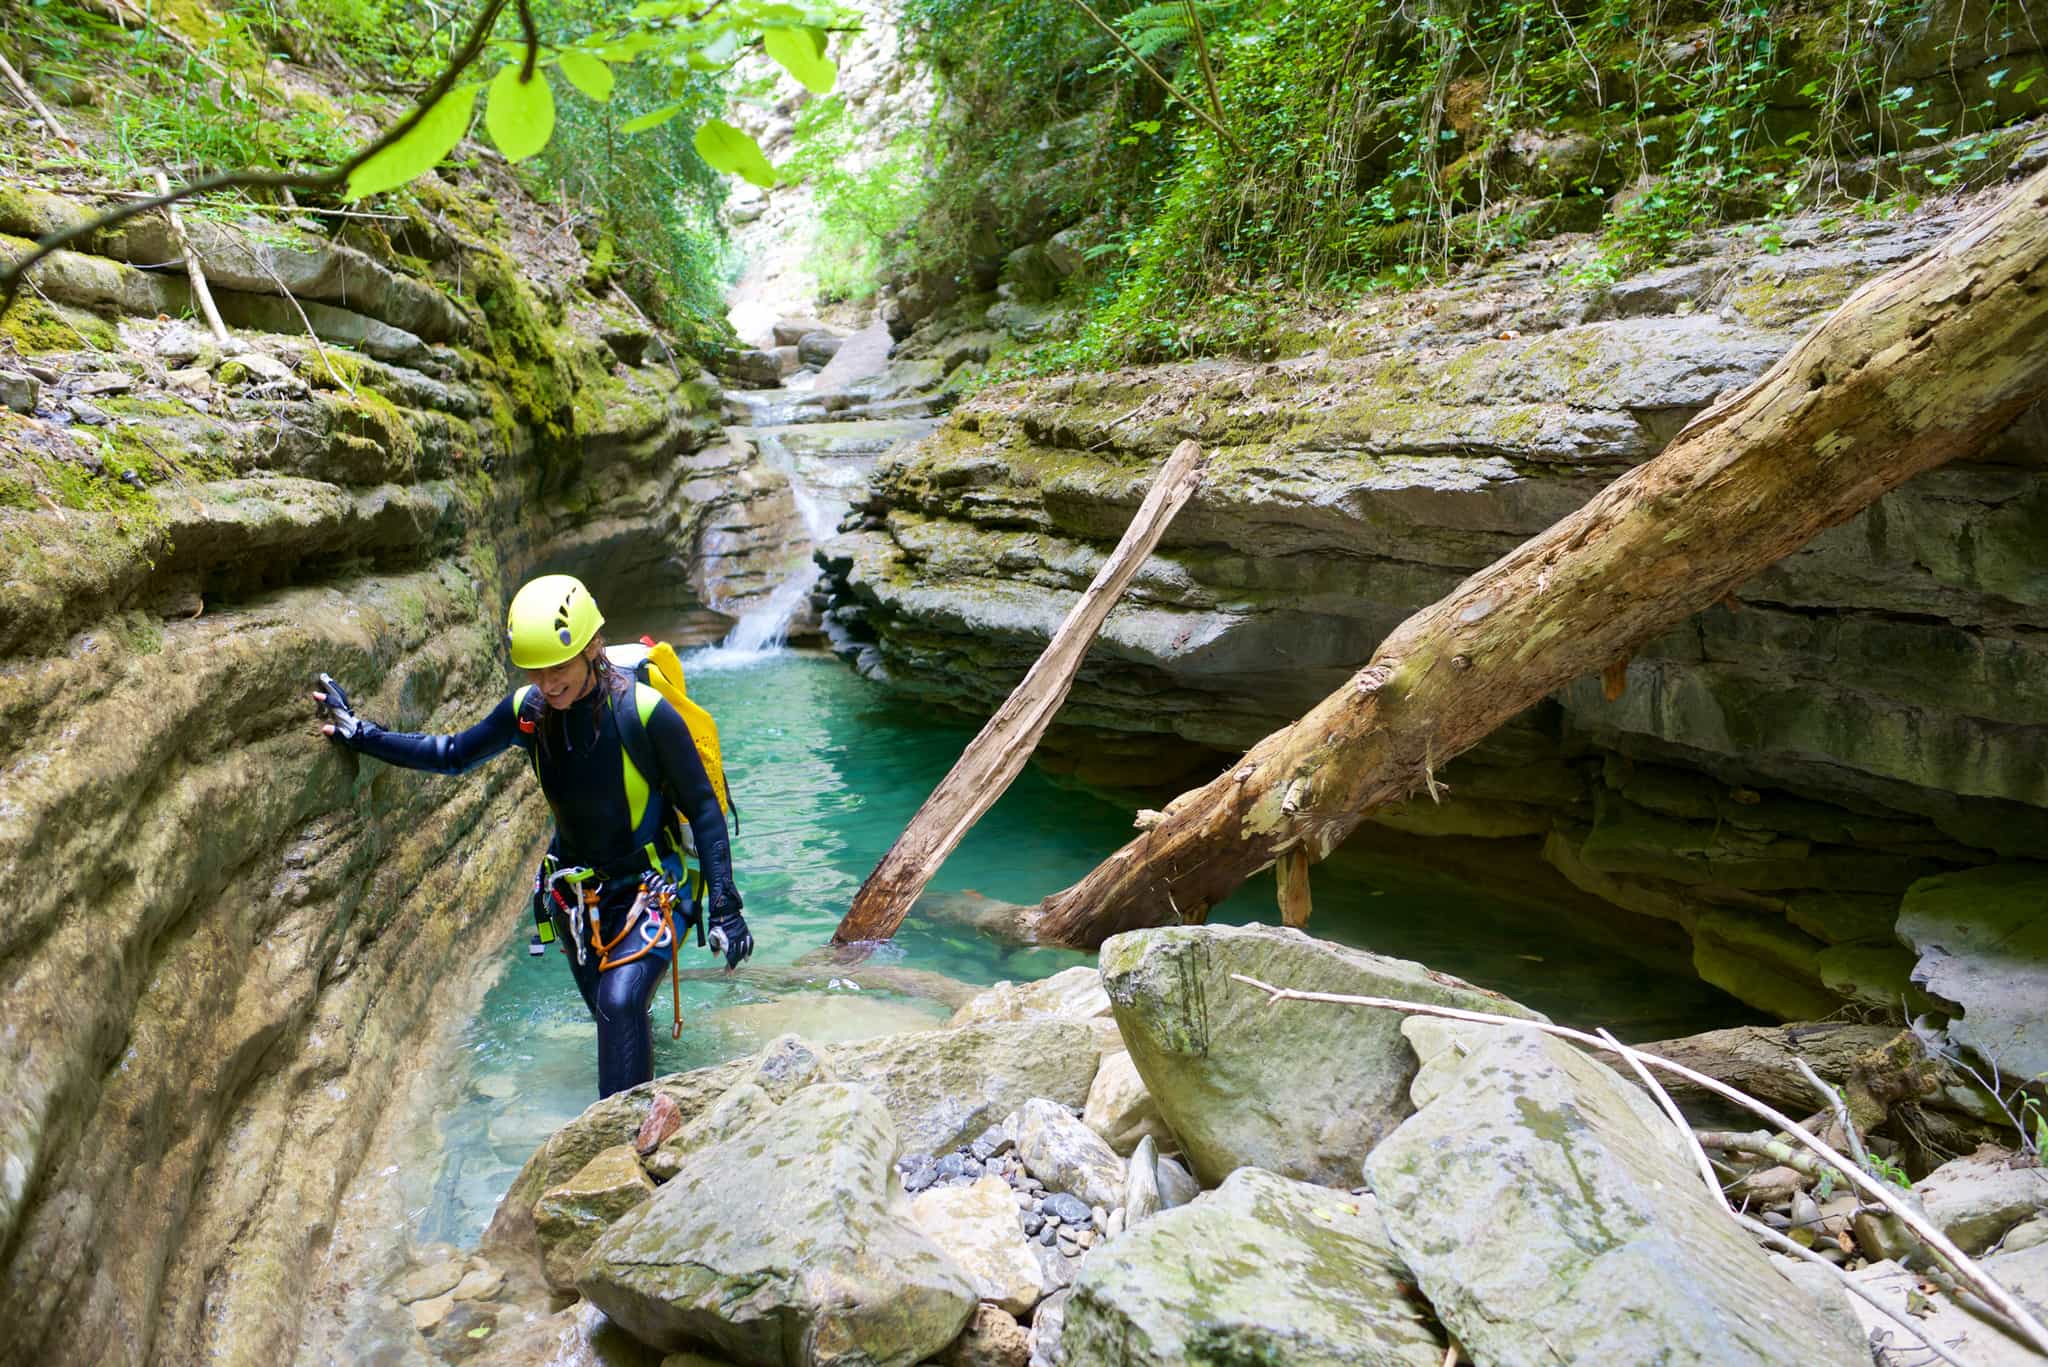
236 956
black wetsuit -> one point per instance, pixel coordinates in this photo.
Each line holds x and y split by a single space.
580 763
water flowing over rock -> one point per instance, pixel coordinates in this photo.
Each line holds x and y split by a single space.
1263 1269
1245 1084
788 1244
1550 1213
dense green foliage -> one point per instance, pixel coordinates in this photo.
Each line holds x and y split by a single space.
862 206
1373 143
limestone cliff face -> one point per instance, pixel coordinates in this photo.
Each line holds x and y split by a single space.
223 930
1778 771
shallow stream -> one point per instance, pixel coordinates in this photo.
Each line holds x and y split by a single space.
827 769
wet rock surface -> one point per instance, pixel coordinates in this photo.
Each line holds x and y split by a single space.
781 1245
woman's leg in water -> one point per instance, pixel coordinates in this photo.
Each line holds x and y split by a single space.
618 998
625 1039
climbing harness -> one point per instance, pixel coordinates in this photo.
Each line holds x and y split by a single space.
647 925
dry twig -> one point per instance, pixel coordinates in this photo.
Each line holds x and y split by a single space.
35 104
193 271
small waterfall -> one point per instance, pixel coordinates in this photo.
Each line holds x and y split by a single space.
764 631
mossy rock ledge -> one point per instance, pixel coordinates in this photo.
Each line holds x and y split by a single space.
228 938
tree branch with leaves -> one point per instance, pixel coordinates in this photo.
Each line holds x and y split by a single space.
519 104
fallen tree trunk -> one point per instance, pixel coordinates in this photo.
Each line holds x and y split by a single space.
1762 1060
1917 367
994 758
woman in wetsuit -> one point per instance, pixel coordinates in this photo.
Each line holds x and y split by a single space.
618 942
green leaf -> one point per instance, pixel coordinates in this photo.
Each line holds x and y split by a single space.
725 148
588 75
652 119
520 114
420 150
799 56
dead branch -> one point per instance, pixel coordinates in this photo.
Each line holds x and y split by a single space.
1762 1146
193 271
34 102
994 758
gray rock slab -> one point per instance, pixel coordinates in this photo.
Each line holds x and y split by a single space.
1982 937
859 357
1263 1270
1298 1089
786 1244
1954 1328
1061 1151
1977 1198
1550 1214
944 1087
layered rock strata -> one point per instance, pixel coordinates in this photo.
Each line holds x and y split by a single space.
225 931
1777 772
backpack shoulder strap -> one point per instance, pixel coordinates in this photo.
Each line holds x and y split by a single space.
631 709
529 706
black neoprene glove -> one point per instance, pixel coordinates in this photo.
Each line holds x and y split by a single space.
729 933
348 727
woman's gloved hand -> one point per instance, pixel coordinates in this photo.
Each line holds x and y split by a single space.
343 724
729 933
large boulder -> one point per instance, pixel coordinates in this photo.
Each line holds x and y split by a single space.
1297 1089
1982 936
1551 1214
1262 1270
941 1087
1977 1198
1075 993
789 1243
976 1226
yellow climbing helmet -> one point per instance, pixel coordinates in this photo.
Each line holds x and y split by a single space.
552 618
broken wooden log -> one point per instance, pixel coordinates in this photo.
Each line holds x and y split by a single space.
1919 366
994 758
1291 871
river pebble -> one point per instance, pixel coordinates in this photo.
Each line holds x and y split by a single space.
1033 1222
1071 1210
1046 1234
919 1171
992 1141
955 1167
